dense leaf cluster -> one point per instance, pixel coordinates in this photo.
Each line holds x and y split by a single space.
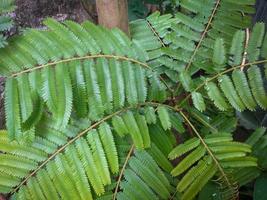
93 114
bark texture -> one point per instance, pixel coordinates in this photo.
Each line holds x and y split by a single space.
113 13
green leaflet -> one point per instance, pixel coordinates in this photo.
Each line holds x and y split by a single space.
215 94
161 138
200 182
12 109
104 82
219 52
130 86
91 169
99 157
243 89
177 122
156 90
186 81
198 101
230 93
255 42
186 163
141 85
236 51
142 124
256 84
80 102
117 84
109 147
64 96
264 48
164 117
49 90
184 148
150 115
96 109
149 174
133 129
255 136
119 126
191 175
160 158
25 99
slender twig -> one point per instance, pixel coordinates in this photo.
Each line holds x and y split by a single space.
245 50
155 33
203 35
173 195
122 171
81 58
163 45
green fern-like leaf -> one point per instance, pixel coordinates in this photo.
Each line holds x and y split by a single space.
215 153
146 178
72 76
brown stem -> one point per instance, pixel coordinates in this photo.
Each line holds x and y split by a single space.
113 13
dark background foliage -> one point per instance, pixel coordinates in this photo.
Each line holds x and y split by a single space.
261 14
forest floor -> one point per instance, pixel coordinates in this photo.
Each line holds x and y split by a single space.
31 13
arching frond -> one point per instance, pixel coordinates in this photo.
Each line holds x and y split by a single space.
85 154
241 89
73 71
190 37
199 166
143 179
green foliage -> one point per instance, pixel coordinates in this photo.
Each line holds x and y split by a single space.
90 88
189 38
6 22
93 114
202 162
84 158
260 186
244 89
144 179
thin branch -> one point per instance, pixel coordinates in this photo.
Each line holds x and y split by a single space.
201 40
203 34
122 171
172 197
155 33
245 51
163 45
81 58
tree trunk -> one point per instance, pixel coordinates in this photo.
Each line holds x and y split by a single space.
113 13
